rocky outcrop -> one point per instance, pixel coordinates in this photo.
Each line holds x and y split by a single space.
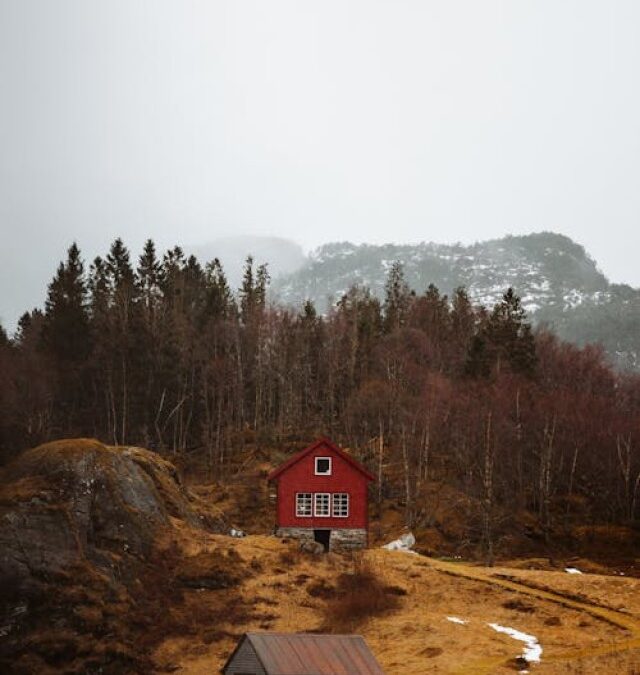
85 542
70 501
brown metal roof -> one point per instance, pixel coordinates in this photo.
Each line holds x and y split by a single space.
314 654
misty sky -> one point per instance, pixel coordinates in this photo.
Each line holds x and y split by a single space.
329 120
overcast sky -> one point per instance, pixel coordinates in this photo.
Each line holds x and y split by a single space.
365 120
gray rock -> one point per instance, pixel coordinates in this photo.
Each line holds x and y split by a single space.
313 547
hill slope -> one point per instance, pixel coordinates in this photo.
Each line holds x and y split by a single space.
559 283
111 564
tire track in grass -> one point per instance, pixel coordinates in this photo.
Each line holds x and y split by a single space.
614 617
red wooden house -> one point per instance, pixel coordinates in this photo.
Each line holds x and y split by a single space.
322 496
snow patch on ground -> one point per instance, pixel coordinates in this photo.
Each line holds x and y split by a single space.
455 619
532 650
405 543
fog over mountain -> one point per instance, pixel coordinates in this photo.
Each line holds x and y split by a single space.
560 284
281 255
315 122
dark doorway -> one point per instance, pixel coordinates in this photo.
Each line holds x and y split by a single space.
323 537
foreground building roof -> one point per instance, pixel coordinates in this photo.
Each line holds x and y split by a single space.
309 654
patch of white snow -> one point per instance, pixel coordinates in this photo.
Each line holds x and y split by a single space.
405 543
532 650
455 619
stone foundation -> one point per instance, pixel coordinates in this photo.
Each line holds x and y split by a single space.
348 540
342 539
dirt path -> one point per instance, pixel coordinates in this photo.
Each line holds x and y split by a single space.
622 620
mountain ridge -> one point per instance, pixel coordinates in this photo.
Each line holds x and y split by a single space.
559 283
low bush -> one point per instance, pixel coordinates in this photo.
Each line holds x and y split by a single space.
359 595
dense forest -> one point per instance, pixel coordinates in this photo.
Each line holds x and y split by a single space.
427 389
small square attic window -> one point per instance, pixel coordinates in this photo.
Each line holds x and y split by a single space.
323 466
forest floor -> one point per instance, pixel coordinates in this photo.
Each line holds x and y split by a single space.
438 620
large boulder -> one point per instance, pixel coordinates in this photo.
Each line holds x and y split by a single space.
83 528
75 500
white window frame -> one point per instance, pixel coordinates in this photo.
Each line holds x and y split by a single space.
344 506
316 499
323 473
303 498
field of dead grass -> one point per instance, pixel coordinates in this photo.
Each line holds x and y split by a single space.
406 623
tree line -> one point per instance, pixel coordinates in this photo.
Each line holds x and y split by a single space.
429 389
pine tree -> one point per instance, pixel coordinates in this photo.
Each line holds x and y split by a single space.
194 288
98 286
149 276
253 291
25 323
218 300
121 331
504 339
309 313
263 278
462 326
397 298
66 327
120 272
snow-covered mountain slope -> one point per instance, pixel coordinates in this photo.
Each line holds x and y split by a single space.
559 283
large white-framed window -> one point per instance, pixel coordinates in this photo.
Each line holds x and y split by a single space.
340 504
304 504
323 466
321 504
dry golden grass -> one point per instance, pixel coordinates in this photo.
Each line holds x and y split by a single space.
289 591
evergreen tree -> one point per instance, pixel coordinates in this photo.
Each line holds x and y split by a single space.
309 313
119 340
172 278
24 328
262 282
253 291
149 276
397 298
462 326
218 299
194 288
510 335
66 327
98 286
504 339
120 273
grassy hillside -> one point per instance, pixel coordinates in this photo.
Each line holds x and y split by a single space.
401 604
115 563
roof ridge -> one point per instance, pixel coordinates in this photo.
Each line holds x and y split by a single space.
333 446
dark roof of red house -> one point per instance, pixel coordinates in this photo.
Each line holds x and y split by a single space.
311 654
313 447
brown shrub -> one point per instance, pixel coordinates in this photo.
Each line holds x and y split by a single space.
519 606
290 557
321 589
359 595
212 570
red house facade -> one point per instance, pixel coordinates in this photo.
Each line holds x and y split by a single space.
322 496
